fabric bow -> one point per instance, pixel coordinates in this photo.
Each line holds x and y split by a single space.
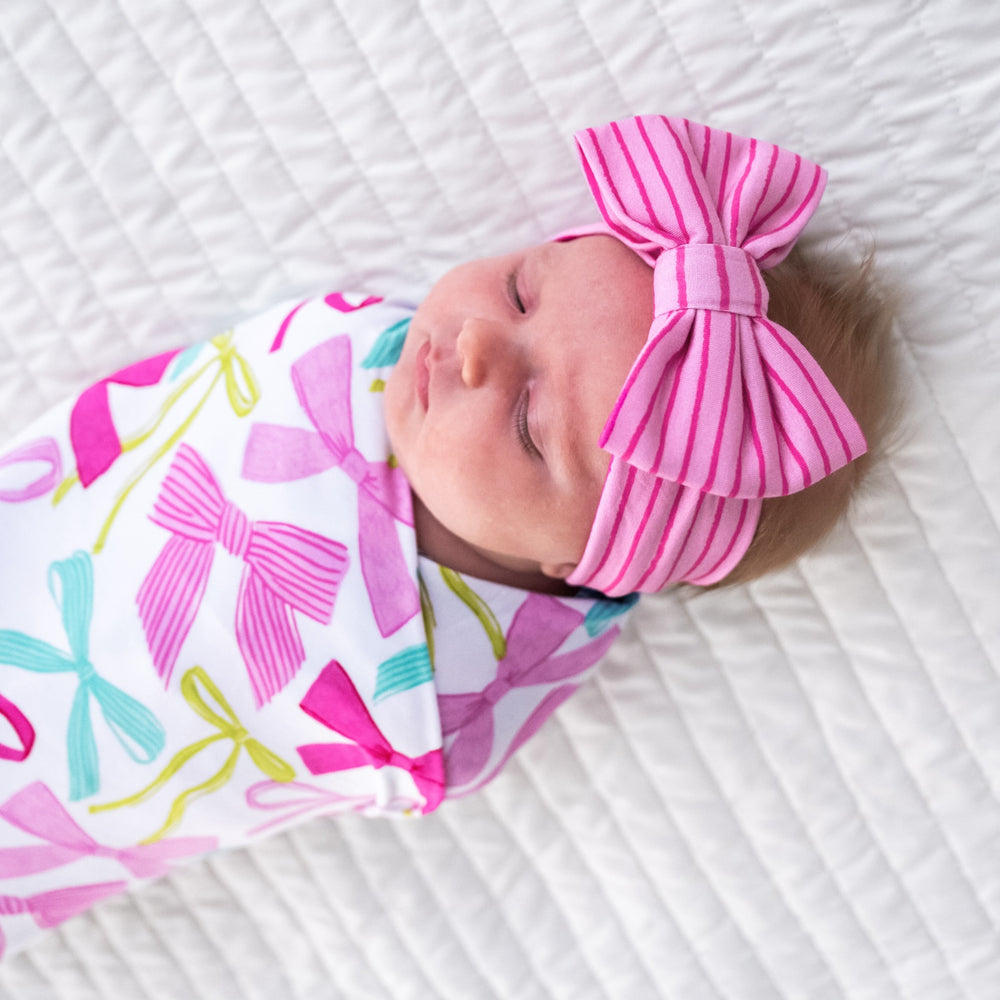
287 569
48 909
71 582
43 450
334 701
539 627
322 381
720 399
228 727
37 811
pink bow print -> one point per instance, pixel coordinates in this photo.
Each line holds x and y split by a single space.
36 810
48 909
322 380
23 729
43 450
334 700
539 627
92 432
287 569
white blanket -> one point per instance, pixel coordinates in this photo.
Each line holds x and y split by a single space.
785 790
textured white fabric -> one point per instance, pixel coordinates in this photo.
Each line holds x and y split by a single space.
786 790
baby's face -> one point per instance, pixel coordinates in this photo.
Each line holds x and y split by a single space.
509 371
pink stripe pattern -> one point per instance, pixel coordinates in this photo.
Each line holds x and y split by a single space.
722 407
288 569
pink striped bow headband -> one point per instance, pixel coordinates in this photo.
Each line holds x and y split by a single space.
722 407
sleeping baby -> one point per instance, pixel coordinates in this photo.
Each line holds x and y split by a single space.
351 555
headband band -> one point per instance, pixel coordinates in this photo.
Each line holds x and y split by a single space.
722 407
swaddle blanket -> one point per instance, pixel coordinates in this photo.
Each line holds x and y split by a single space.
212 621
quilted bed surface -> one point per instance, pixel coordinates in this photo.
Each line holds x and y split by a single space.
786 790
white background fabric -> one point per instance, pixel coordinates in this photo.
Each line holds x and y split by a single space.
788 790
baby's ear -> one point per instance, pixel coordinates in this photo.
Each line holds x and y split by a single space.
558 571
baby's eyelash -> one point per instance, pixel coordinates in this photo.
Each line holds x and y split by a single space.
513 293
523 431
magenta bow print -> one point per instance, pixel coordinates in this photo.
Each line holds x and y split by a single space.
92 431
539 627
288 569
23 730
36 811
43 451
335 300
322 380
334 700
50 908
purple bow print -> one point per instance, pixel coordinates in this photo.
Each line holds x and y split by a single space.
334 700
44 450
322 380
287 569
37 811
48 909
539 627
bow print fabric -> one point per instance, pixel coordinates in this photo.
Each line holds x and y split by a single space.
322 380
301 575
287 569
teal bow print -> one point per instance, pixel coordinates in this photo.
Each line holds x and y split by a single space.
71 583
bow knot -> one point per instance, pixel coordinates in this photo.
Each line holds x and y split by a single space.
87 674
233 530
709 276
496 689
355 465
386 756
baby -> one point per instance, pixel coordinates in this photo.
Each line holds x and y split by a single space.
350 556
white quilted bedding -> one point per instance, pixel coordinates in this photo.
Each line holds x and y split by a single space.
790 790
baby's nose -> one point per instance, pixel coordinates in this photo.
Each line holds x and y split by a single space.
483 351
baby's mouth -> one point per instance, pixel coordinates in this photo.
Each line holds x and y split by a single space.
422 373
